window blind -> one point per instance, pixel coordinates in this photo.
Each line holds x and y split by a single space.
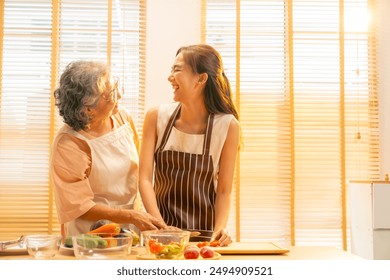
40 38
24 122
308 111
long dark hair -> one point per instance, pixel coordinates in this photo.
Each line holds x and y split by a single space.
205 59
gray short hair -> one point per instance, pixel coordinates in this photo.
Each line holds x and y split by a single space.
81 85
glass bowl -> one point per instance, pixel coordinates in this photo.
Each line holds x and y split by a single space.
43 246
101 246
165 244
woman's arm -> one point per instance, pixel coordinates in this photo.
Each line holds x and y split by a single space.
225 183
146 163
141 220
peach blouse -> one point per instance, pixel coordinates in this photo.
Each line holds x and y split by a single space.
88 170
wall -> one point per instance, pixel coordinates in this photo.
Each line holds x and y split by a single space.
170 25
173 23
384 84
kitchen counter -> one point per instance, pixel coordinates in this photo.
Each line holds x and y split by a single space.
295 253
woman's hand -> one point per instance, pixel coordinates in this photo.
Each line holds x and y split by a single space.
222 236
171 228
145 221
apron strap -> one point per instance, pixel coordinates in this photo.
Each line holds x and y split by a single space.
168 129
207 137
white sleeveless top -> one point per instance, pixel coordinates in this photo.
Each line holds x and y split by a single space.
193 143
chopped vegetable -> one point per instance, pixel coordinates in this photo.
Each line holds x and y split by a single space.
214 243
99 223
155 247
132 233
107 230
165 251
202 244
135 237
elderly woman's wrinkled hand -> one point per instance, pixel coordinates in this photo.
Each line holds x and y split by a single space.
145 221
171 228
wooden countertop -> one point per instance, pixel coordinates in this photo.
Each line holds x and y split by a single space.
295 253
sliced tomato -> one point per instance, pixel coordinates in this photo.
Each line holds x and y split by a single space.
202 244
155 247
214 243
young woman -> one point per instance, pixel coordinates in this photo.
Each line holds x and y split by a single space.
189 147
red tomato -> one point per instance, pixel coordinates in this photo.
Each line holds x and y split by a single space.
214 243
155 247
206 252
191 252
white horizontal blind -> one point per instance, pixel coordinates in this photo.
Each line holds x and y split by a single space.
264 111
128 54
319 150
84 35
222 26
29 48
302 107
24 118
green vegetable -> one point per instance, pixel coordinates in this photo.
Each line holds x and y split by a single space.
102 243
129 232
135 237
93 241
170 251
88 242
68 242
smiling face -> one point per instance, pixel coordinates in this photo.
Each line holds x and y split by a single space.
108 101
184 82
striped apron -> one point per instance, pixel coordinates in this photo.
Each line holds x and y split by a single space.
184 184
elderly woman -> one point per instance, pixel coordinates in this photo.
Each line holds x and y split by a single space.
95 157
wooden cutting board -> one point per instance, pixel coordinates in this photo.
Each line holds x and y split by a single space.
252 248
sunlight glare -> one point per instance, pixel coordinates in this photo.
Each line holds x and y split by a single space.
357 20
